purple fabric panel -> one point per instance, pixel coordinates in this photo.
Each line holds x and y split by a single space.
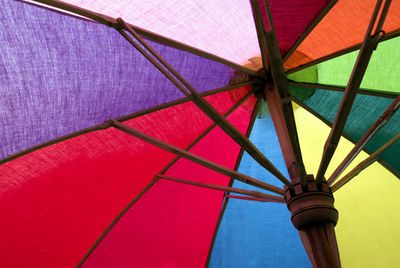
60 74
291 18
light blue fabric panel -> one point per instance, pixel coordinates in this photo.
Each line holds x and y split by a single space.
255 234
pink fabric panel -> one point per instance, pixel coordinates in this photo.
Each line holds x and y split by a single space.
224 28
212 26
291 18
172 224
55 202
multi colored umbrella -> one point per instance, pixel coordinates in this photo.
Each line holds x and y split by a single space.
172 133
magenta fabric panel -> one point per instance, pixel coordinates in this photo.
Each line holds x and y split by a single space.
55 202
291 18
172 224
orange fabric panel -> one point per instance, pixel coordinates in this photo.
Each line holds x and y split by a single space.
344 26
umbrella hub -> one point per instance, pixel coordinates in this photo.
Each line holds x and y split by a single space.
311 204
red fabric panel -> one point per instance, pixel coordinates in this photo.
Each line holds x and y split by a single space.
55 202
172 224
291 18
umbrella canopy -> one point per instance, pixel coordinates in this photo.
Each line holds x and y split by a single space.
172 133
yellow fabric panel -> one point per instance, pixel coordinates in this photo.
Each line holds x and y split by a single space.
368 231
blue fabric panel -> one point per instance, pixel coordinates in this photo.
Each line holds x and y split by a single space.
365 111
60 74
255 234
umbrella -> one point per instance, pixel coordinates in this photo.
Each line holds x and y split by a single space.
171 134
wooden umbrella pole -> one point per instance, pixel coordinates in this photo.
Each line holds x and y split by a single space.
277 96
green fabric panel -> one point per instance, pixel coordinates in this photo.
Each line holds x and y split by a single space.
383 72
309 75
366 110
301 93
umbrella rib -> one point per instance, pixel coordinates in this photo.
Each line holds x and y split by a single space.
224 188
241 101
239 159
382 120
112 22
364 56
184 100
329 124
200 102
260 35
364 164
116 219
228 196
208 130
339 53
288 137
309 28
361 91
196 159
103 126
